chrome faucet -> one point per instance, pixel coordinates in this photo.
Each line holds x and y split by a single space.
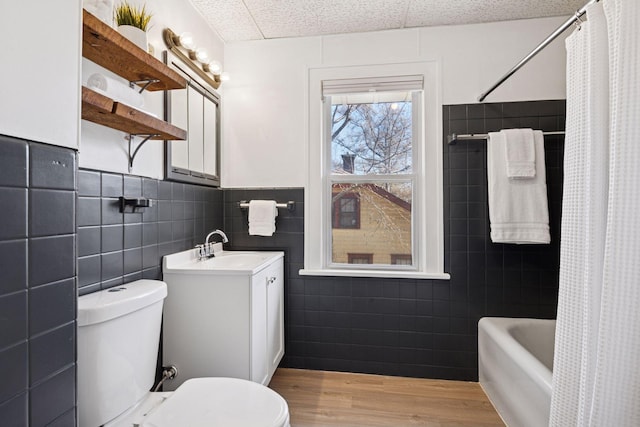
218 232
206 250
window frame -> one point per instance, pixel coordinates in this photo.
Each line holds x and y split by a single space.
428 225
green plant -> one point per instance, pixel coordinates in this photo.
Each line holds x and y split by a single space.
126 14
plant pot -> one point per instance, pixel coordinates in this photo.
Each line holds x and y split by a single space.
135 35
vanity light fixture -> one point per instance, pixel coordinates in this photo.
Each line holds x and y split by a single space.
184 47
214 67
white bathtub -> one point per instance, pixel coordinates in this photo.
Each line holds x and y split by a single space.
515 361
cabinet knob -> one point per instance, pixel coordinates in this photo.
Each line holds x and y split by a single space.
270 280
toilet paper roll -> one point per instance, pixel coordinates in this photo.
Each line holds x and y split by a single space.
116 90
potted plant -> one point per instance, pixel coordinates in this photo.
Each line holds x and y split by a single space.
133 23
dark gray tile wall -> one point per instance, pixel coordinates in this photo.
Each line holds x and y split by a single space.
420 328
37 288
116 248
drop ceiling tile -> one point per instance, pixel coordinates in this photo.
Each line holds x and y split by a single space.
230 18
236 20
423 13
295 18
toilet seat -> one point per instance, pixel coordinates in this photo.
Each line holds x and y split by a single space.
228 402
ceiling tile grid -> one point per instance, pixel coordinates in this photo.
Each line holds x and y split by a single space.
295 18
425 13
237 20
230 18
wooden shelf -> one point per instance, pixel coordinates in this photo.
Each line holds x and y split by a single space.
102 110
109 49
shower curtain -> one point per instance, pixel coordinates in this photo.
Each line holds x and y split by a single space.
596 373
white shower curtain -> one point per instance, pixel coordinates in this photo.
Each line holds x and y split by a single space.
596 374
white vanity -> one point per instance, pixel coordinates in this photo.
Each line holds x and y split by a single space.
224 316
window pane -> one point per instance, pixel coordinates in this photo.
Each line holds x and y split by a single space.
360 258
401 259
371 133
371 223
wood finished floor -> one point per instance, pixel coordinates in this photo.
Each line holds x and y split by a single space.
319 398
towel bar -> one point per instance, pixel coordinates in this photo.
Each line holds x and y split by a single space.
453 138
290 205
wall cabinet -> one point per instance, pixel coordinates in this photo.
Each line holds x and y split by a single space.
197 110
225 325
39 88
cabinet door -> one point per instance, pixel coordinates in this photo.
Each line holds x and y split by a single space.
196 131
259 369
210 138
275 316
179 117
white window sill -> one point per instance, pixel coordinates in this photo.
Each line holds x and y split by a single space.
376 273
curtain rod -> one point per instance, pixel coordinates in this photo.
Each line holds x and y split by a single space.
541 46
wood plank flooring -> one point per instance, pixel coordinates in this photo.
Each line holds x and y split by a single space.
319 398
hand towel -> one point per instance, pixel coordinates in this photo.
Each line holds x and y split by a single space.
116 90
518 208
262 217
520 152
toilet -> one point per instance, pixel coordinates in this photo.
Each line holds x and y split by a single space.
118 338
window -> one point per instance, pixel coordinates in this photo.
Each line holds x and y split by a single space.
371 174
360 259
375 165
401 259
346 209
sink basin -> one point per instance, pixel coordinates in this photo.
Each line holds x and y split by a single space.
234 260
228 262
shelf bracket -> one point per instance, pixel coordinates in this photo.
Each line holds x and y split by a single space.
146 84
145 137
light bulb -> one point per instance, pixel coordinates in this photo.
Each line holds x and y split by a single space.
215 67
224 77
186 41
202 55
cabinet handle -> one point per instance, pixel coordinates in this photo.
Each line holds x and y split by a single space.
270 280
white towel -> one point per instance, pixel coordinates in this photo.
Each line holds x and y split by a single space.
262 217
520 152
518 208
115 90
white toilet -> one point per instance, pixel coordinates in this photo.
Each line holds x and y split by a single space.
118 337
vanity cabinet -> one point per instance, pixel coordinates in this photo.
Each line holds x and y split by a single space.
267 322
225 324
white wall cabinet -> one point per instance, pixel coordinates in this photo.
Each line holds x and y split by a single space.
40 83
225 325
196 109
180 118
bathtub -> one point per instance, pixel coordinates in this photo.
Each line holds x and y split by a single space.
515 363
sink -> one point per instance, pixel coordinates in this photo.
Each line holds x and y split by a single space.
228 262
232 260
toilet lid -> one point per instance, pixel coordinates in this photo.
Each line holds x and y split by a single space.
225 402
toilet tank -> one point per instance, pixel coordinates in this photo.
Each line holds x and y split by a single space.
118 337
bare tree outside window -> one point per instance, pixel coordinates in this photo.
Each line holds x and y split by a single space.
378 135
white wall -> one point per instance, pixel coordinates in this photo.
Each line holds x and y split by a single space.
106 149
40 71
265 103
